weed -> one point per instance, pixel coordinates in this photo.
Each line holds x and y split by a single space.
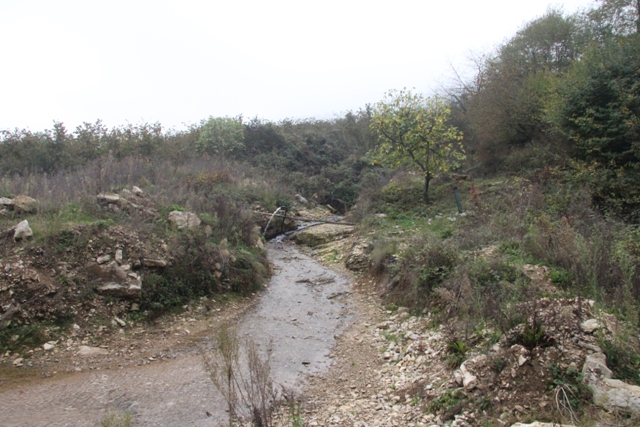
457 353
448 403
623 361
116 419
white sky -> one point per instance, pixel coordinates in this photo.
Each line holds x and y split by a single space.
178 62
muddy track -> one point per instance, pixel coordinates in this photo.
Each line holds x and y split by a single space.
295 321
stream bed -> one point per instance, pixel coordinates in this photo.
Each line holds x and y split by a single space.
295 321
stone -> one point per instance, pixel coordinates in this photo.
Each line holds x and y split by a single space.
23 204
154 262
119 256
48 346
301 199
469 381
18 361
108 198
22 230
85 350
118 290
358 258
590 326
137 191
610 394
120 322
103 259
323 233
4 201
182 220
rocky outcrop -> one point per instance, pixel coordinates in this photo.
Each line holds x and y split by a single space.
323 233
182 220
358 258
115 280
608 393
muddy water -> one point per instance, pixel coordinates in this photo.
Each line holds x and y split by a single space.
295 322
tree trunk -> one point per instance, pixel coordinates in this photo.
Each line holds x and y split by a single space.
427 179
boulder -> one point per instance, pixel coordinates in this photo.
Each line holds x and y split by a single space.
183 220
610 394
5 202
590 326
358 258
23 204
22 231
154 262
469 381
108 198
114 280
323 233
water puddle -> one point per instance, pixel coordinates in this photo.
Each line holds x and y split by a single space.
295 321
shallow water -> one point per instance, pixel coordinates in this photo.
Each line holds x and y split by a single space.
295 321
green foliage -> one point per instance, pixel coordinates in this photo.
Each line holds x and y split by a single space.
623 360
413 132
448 402
569 386
221 135
598 107
457 353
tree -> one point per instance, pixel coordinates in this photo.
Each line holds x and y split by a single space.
598 107
413 131
221 135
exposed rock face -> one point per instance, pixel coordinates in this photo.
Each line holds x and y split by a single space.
358 258
182 220
113 279
22 230
320 234
610 394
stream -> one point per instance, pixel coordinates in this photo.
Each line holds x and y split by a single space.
294 321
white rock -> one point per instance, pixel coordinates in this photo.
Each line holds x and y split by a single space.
108 198
85 350
48 346
610 394
137 191
22 230
119 256
120 321
469 381
103 259
183 220
590 326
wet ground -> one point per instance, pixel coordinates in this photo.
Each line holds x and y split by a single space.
295 321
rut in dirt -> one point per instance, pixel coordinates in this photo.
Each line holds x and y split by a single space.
294 321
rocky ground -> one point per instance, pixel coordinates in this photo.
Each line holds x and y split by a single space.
391 367
396 368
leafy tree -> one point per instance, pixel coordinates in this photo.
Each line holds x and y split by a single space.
221 135
598 107
413 131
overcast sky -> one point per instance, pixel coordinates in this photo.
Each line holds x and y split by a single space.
178 62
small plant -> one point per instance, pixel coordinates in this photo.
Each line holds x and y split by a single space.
116 419
570 392
622 360
176 208
457 353
498 364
